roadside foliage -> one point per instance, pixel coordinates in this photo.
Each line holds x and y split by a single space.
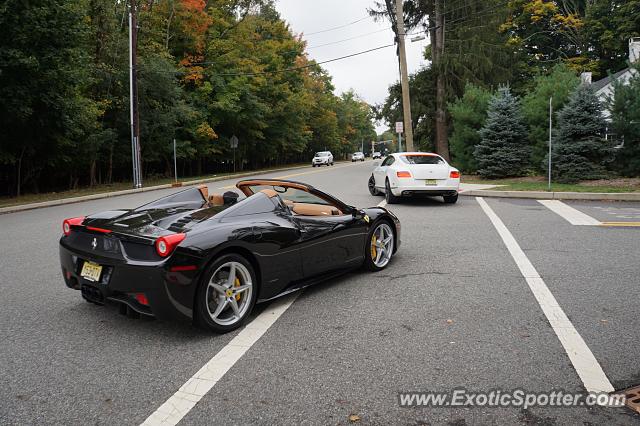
207 70
538 48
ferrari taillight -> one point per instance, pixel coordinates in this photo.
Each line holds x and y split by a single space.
166 244
141 298
67 223
454 174
403 174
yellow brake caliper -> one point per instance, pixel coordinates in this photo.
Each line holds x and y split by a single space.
237 284
374 252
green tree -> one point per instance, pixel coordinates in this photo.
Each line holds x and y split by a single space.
579 151
609 24
504 150
625 114
44 115
468 115
558 84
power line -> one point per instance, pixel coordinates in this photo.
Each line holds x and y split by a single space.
348 39
250 74
338 27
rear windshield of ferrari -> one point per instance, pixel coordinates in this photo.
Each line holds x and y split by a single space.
421 159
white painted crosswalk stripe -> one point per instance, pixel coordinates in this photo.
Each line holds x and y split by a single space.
583 360
571 215
181 402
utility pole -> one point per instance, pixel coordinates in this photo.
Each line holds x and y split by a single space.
133 95
550 132
404 77
442 145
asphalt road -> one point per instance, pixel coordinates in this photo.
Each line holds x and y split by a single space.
451 311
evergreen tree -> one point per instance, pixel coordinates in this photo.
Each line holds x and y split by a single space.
504 150
468 115
579 150
559 84
625 113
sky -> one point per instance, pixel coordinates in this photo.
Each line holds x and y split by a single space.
370 74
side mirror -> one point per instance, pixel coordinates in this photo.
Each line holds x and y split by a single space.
358 213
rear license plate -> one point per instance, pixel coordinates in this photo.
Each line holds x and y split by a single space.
431 182
91 271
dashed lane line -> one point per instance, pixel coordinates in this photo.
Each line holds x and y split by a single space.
571 215
583 360
181 402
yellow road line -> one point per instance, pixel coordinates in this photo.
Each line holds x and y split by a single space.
324 169
630 224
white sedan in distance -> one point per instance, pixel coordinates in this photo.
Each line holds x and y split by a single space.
357 156
408 174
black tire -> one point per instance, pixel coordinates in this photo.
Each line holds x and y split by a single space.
388 195
372 186
450 199
369 264
202 316
332 163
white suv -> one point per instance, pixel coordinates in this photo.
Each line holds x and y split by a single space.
322 158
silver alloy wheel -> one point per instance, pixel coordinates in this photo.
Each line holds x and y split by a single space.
382 245
229 293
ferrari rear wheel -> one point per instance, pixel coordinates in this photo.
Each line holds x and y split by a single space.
380 247
228 293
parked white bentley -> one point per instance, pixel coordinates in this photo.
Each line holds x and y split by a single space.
408 174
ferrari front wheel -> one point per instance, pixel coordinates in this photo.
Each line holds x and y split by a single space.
227 294
380 244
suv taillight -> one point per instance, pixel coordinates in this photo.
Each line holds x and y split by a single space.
454 174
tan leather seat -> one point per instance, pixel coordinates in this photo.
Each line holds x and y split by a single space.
269 192
216 200
304 209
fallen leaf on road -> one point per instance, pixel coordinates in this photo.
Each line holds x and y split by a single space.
449 321
604 320
354 418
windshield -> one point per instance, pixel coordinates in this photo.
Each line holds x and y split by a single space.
291 194
422 159
322 154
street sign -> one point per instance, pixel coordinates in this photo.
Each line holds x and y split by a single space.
234 141
399 127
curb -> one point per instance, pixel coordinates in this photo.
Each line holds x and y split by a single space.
543 195
72 200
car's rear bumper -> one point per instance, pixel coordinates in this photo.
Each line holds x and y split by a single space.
414 187
169 294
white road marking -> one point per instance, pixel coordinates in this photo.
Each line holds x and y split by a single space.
382 203
585 364
573 216
180 403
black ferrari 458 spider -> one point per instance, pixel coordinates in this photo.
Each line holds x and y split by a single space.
210 258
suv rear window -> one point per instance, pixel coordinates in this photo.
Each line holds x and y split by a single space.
422 159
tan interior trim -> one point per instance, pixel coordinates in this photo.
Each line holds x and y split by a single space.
304 209
204 190
244 185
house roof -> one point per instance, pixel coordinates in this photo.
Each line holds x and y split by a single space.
597 85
